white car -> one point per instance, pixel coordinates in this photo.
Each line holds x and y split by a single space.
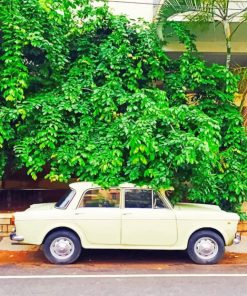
125 217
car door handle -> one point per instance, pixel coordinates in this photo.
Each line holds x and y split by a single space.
125 214
80 213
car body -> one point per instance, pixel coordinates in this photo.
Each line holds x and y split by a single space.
124 217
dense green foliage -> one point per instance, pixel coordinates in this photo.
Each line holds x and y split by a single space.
211 90
78 98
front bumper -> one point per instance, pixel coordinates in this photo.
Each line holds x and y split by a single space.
14 237
237 238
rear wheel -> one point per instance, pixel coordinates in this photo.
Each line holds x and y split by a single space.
206 247
62 247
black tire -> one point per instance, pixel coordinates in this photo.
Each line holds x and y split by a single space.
206 247
67 252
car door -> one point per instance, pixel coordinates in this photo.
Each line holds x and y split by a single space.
99 216
146 220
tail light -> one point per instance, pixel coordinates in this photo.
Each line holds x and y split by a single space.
12 220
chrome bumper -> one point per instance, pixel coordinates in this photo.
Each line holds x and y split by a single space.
237 239
16 238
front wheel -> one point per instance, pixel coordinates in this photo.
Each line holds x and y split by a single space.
62 247
206 247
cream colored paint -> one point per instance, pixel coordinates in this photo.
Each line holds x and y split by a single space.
100 225
125 228
224 223
158 225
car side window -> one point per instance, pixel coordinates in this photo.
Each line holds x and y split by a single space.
139 198
101 198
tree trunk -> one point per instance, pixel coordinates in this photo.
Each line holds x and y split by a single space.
228 53
227 31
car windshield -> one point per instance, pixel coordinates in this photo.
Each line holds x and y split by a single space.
65 200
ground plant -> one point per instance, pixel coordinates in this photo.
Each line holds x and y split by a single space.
79 98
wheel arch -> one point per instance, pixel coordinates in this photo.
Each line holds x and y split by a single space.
61 228
208 229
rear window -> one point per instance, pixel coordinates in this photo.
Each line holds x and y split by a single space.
65 200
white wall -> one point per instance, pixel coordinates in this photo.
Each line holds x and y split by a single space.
133 10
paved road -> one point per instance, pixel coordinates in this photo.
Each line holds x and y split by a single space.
123 273
73 281
176 285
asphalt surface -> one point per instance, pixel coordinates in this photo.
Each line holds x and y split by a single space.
181 279
24 271
174 286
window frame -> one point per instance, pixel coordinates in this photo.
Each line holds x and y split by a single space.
73 192
157 192
99 188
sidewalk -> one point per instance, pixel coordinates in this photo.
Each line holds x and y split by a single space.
7 245
240 248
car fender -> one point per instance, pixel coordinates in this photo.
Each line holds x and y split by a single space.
184 236
68 226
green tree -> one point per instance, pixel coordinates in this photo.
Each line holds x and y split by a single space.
211 90
82 102
34 51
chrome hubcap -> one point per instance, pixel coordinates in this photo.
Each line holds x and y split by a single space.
62 248
206 248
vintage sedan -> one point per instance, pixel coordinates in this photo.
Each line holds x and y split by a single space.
124 217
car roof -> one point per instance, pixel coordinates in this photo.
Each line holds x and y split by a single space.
87 185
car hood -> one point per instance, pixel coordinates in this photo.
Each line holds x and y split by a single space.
196 207
41 206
